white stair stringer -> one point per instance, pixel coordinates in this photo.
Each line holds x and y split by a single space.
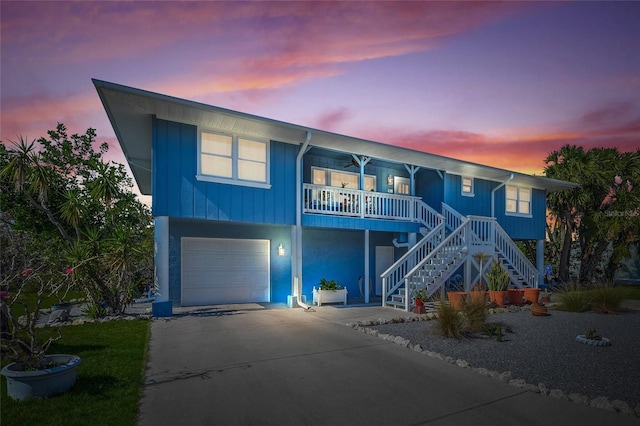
434 269
393 277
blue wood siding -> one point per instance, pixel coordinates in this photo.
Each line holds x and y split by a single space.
177 192
280 266
523 228
328 221
479 204
430 187
334 255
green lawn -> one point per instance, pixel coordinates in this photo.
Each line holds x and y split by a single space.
632 292
109 382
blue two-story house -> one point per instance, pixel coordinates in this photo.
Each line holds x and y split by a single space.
249 209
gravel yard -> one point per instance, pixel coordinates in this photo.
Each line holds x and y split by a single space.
545 350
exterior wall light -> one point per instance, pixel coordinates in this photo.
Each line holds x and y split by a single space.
280 250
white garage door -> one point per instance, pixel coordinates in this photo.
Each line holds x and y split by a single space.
217 270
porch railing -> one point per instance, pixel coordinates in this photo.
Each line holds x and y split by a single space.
320 199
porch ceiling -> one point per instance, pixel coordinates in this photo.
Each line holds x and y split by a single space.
130 112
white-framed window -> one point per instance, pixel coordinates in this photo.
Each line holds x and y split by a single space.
340 179
232 159
467 186
401 185
518 200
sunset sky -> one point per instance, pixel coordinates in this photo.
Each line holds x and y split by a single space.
501 84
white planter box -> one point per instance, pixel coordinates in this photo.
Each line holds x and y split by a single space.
329 296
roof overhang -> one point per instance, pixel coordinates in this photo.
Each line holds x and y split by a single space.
131 111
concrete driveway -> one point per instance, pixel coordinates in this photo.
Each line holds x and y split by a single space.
247 365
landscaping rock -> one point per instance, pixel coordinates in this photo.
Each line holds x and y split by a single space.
544 390
602 402
505 376
58 316
417 348
519 383
462 363
481 370
622 407
578 398
557 393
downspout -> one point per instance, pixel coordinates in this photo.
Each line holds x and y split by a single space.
493 193
297 256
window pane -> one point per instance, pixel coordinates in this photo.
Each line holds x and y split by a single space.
250 170
369 183
319 176
525 194
523 207
252 150
467 185
216 166
340 178
216 144
512 193
511 206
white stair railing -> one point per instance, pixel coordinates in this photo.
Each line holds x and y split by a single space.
452 218
443 262
393 277
510 252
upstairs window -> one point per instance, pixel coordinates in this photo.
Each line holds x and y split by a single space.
232 159
518 200
467 186
330 177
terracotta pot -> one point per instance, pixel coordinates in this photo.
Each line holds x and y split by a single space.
499 297
515 296
457 299
478 296
531 294
419 308
539 310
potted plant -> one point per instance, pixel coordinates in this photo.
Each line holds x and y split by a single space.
420 296
33 372
515 296
329 291
531 294
498 281
457 297
478 294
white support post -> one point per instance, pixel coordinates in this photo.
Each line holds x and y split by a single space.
161 230
540 262
366 266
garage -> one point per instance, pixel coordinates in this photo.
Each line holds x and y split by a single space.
222 270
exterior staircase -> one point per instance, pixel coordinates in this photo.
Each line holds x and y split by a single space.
448 247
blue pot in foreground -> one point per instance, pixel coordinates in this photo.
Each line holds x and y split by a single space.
42 383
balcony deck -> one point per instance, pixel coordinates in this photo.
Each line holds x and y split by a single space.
399 213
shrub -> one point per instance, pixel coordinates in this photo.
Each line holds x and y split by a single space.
475 313
450 322
607 298
573 299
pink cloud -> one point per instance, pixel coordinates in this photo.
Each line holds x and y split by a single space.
331 120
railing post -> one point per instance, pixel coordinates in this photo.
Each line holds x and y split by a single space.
406 295
384 291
